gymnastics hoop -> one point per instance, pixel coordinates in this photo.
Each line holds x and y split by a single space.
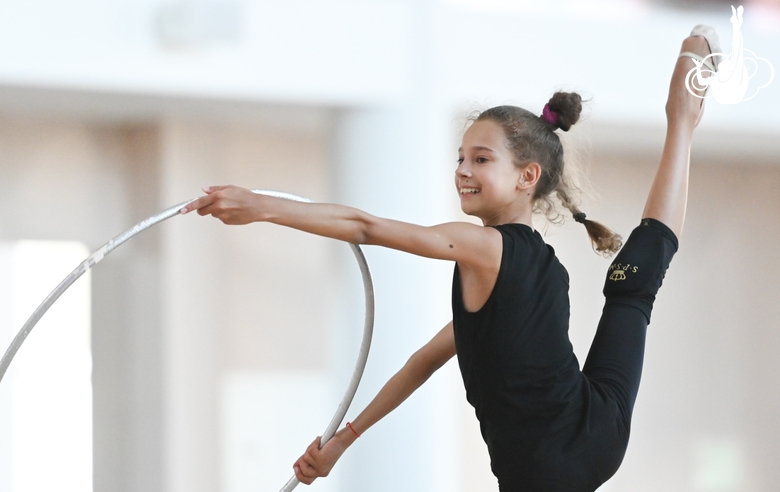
103 251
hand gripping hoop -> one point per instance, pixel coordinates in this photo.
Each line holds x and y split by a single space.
94 258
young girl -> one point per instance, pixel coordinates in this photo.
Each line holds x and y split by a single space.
548 426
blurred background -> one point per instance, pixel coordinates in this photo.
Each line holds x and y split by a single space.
201 357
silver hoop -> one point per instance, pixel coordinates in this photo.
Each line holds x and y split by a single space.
103 251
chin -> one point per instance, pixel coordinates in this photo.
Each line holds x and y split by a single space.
470 212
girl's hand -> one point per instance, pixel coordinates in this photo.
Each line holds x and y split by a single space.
317 462
230 204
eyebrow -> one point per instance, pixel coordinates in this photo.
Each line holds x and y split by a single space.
460 149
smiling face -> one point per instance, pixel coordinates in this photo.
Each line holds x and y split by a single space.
491 187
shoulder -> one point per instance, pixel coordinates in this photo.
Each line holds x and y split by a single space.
523 234
526 245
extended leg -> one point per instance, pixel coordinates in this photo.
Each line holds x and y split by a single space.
617 353
669 194
616 356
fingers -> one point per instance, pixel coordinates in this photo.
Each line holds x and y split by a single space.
310 456
304 472
198 204
230 204
306 466
203 201
211 189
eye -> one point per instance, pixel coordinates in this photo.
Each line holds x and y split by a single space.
460 160
481 160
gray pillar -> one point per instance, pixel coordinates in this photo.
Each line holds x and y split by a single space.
192 264
127 334
390 163
398 162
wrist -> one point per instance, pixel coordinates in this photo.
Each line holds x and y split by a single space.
346 435
262 208
350 427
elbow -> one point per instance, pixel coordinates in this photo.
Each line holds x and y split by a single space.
421 367
365 228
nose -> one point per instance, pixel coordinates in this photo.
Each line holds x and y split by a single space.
463 170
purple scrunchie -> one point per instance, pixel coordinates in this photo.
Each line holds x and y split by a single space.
549 115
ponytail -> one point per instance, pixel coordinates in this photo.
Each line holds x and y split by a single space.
604 240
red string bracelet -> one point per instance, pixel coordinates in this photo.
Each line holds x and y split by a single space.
349 424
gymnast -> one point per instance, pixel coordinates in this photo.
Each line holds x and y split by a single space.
548 425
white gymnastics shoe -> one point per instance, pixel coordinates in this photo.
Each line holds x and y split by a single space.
713 40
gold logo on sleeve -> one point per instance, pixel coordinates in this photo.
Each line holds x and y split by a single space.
618 275
619 271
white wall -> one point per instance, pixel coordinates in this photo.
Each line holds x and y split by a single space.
46 396
337 51
368 52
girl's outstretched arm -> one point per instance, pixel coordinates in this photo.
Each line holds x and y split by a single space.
317 462
469 244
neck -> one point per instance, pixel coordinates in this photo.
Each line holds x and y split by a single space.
523 215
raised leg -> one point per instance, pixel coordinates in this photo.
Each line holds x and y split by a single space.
614 363
669 194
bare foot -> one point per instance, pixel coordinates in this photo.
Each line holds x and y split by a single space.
682 107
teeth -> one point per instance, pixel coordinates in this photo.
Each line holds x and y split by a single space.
465 191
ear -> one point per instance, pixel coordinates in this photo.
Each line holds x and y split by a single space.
529 176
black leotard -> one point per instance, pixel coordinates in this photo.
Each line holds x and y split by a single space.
549 426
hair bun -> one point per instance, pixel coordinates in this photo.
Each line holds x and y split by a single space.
568 106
